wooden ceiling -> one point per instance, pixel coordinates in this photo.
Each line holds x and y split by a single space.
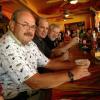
51 8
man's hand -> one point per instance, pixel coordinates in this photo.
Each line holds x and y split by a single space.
58 51
65 56
80 72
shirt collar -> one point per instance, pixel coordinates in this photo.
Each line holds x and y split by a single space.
16 40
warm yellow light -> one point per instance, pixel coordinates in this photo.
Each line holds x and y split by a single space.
66 15
73 1
99 15
64 19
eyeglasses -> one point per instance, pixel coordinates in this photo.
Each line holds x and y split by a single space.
27 26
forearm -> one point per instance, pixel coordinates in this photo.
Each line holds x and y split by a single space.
60 65
68 46
50 80
72 42
1 98
47 80
61 50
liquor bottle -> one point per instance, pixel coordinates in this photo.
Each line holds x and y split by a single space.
94 40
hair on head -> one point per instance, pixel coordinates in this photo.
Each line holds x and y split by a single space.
16 12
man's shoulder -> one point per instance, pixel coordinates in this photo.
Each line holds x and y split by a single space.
4 39
32 44
47 39
37 39
7 43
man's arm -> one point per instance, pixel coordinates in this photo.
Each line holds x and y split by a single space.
55 64
60 65
1 98
53 79
61 50
50 80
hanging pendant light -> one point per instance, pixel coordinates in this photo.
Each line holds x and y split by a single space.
73 1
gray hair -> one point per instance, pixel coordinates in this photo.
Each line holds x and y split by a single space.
53 26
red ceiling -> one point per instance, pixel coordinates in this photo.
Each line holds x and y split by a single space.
49 10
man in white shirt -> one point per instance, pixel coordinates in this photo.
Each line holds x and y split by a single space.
20 58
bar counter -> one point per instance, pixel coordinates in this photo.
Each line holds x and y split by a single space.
87 88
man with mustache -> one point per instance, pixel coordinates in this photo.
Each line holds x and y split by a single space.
20 58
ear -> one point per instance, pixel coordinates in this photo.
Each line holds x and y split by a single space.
11 25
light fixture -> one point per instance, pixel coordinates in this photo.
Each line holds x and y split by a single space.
73 1
66 15
65 19
98 15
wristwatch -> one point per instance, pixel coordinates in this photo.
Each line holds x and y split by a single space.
70 74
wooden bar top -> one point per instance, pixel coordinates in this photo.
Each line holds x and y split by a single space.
87 86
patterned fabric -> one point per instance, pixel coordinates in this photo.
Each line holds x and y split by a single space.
18 63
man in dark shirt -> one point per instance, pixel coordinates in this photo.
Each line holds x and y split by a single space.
51 44
45 38
52 36
41 33
42 46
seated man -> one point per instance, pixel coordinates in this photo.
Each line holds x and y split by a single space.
53 33
40 34
46 45
20 58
